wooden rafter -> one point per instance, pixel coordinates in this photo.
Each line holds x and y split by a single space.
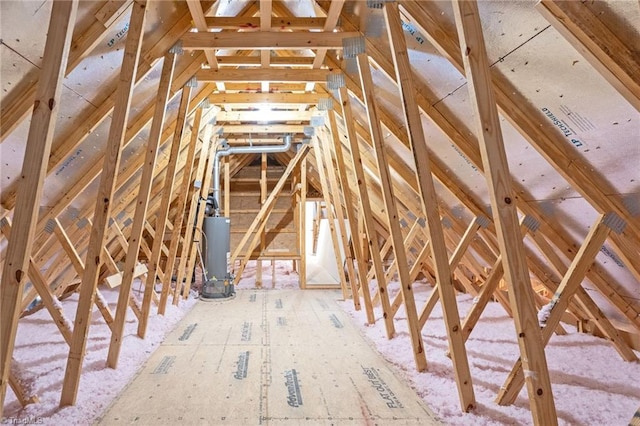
195 8
265 26
570 283
144 194
178 217
45 110
336 192
551 145
391 209
104 203
16 107
70 141
504 210
585 302
365 211
425 98
608 54
162 214
303 239
430 205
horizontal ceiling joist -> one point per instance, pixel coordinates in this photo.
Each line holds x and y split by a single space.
276 75
248 61
264 40
263 116
264 98
256 87
229 129
253 23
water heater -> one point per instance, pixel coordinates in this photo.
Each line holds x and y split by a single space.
216 250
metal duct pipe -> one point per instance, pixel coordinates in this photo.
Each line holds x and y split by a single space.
267 149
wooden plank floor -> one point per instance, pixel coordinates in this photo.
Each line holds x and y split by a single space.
273 357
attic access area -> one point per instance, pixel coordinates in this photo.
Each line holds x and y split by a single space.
487 149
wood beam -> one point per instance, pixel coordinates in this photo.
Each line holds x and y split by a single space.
525 118
303 224
336 192
103 205
624 248
504 210
162 214
421 154
144 193
195 8
24 395
246 24
264 116
276 61
333 15
588 305
69 248
264 98
261 218
263 197
456 256
68 143
256 87
365 214
617 62
17 105
51 303
263 74
38 148
448 46
570 283
391 209
486 292
261 40
265 26
179 206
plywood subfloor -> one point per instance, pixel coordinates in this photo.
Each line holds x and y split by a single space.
273 357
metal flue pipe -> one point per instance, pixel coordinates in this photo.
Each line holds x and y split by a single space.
266 149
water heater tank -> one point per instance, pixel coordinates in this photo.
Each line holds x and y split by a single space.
216 253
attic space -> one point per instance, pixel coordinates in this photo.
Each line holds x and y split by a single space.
324 212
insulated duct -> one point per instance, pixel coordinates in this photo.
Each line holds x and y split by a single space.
260 149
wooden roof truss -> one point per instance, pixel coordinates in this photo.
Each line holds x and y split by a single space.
398 214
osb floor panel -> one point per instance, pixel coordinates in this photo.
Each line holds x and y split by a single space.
273 357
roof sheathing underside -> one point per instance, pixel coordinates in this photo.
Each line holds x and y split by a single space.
577 104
